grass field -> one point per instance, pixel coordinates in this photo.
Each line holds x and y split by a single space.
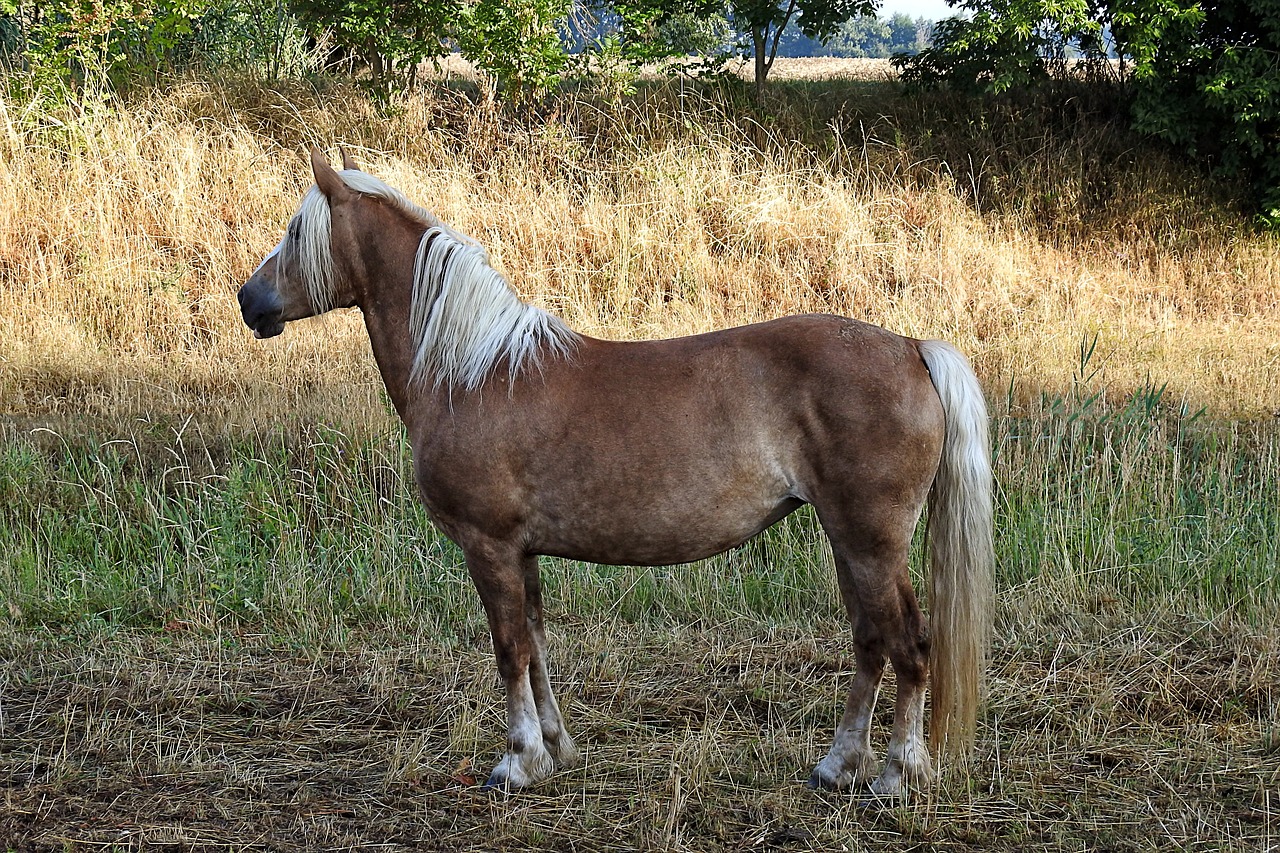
225 623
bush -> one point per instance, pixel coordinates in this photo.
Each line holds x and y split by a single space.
1204 75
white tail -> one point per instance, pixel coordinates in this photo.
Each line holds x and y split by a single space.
961 549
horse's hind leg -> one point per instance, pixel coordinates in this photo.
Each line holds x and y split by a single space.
555 736
887 622
907 766
850 761
499 577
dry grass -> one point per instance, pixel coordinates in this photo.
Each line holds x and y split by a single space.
830 68
454 67
1119 734
123 236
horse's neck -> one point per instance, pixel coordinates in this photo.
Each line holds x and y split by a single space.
388 294
389 336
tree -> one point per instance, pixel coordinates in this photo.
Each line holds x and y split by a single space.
518 42
872 37
391 36
759 24
93 46
1206 79
1005 44
861 36
907 34
659 30
763 22
1204 74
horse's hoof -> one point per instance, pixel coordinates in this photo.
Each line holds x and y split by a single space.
819 781
496 785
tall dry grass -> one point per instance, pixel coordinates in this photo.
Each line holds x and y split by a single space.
124 234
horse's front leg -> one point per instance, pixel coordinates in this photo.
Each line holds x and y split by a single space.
498 575
555 736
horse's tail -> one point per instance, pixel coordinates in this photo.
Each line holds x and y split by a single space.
961 551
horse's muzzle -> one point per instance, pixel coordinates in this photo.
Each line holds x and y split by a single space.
260 307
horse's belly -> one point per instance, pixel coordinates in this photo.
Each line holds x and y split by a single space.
661 535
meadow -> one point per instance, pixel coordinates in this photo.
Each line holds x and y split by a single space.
226 624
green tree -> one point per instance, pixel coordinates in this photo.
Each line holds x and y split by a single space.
907 34
653 31
762 23
392 37
861 36
519 43
1206 79
1004 44
875 37
260 36
1204 74
93 46
759 24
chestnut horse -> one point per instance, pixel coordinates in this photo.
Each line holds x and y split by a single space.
530 439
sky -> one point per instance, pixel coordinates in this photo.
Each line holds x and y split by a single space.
934 10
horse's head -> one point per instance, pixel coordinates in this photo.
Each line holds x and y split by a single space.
297 279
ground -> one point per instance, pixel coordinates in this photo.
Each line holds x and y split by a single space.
1101 732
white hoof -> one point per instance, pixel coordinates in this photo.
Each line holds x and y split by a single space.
563 750
897 779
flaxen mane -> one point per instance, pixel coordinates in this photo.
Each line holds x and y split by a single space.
464 319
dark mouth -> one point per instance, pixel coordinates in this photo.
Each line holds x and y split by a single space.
268 330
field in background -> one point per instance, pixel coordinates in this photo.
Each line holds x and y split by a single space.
224 622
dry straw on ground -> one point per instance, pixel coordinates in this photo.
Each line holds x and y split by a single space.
1117 735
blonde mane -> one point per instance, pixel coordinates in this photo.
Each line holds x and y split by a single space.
464 317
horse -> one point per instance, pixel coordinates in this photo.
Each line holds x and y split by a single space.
530 439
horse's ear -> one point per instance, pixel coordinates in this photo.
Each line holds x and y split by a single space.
326 178
348 162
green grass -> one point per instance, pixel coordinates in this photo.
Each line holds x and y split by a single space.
1132 503
1141 502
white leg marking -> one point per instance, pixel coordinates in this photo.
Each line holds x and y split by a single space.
527 760
850 760
908 766
555 736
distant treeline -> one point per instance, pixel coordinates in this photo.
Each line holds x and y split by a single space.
863 37
526 47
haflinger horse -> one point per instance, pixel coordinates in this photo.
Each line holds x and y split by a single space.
530 439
